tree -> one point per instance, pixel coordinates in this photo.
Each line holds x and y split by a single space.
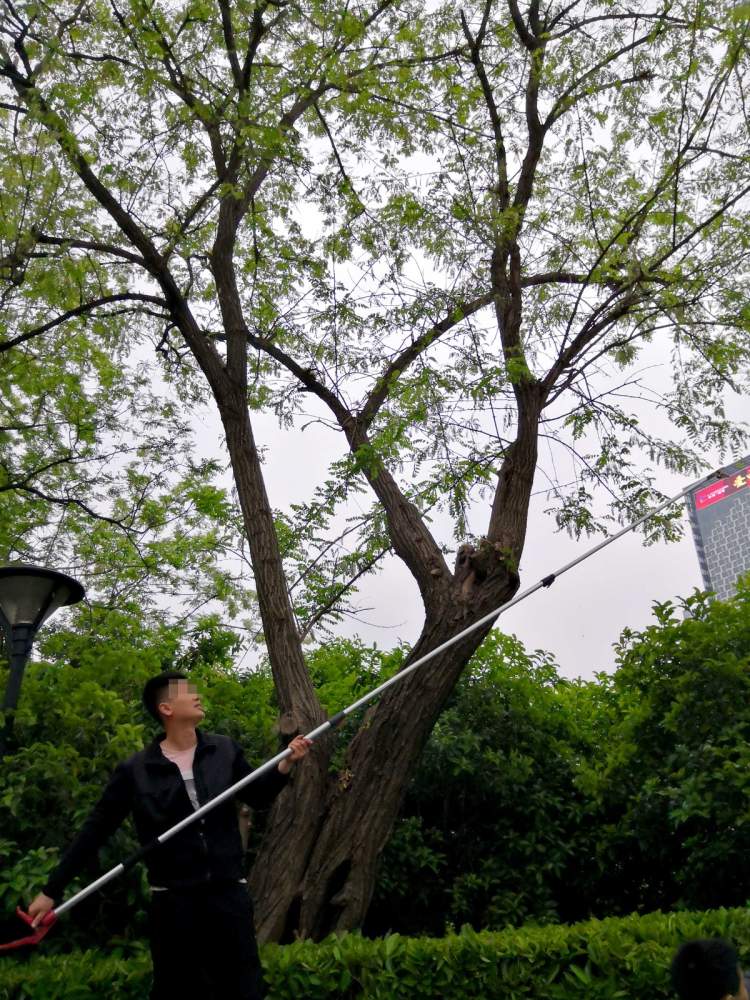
669 794
584 196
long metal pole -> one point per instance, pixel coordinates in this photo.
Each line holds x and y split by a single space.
337 719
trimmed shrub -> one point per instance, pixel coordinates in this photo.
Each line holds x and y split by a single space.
615 959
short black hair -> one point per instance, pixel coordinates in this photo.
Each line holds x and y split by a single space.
156 690
706 969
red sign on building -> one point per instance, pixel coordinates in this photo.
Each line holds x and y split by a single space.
722 489
720 517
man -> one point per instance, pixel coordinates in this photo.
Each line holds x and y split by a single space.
200 916
708 970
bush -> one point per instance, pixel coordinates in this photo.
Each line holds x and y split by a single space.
668 792
614 959
492 822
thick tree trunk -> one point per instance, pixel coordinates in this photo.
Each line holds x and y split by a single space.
335 868
328 855
297 699
316 869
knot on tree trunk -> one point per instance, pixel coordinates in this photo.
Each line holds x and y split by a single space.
476 564
289 726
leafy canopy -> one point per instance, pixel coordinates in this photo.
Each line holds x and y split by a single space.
416 211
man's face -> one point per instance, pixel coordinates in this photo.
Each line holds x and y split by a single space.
183 703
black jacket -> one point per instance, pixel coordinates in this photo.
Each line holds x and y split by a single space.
151 788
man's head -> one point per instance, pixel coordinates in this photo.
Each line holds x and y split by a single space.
708 970
172 697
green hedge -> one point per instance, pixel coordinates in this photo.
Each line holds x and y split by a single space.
615 959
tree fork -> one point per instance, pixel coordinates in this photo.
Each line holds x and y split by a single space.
340 876
341 839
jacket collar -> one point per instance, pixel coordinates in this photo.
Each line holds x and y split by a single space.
152 752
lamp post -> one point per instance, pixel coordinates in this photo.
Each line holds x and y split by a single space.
28 596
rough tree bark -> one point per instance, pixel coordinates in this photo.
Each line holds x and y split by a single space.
292 825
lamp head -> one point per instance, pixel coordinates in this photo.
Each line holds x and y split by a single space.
30 594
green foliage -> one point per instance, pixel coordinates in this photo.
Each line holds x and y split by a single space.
669 789
365 183
97 471
544 799
344 670
493 817
626 959
537 799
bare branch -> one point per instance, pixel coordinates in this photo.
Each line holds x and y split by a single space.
330 605
634 16
65 502
529 41
230 44
94 245
501 161
399 364
588 333
82 310
256 35
569 97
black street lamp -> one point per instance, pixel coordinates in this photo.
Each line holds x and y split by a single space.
28 596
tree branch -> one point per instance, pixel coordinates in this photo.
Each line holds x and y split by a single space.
395 368
255 38
634 16
94 245
304 375
230 44
204 351
587 334
529 41
632 224
66 502
82 310
501 161
567 98
322 611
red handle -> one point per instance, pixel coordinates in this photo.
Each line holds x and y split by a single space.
41 929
